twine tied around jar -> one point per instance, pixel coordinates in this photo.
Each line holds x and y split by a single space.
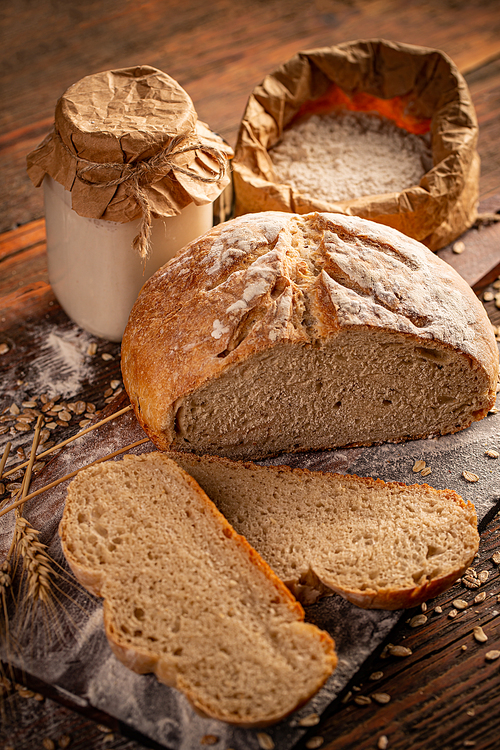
144 173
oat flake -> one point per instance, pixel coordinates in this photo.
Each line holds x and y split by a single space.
471 583
362 700
309 721
381 697
265 741
470 476
418 620
314 743
492 655
479 634
400 650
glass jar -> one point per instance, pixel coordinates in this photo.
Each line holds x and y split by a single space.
93 271
130 176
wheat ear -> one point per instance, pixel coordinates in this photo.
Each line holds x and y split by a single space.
36 563
6 568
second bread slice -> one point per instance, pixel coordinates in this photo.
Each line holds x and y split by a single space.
380 545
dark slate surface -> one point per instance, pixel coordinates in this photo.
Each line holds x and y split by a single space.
73 655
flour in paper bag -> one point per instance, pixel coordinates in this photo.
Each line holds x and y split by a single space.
343 156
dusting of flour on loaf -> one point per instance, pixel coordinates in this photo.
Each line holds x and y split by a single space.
244 235
337 157
218 329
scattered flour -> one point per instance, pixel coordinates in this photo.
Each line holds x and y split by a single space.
219 329
61 367
63 364
337 157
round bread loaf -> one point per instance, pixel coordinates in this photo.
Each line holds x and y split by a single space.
278 332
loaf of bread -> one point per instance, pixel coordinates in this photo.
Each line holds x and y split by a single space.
186 597
380 545
276 332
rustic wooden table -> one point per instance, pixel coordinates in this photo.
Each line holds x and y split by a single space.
444 695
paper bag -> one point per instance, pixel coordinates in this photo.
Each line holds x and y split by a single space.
419 89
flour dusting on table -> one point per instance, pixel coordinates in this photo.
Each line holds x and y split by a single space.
63 364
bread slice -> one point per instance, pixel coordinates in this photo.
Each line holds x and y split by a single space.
186 597
380 545
276 332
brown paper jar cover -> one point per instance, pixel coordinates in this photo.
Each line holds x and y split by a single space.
119 128
420 89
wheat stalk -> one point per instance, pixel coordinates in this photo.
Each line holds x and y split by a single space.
4 458
70 439
36 562
38 573
31 582
25 543
49 486
26 546
5 583
3 461
6 568
31 460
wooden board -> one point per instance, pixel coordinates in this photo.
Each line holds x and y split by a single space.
218 53
479 260
441 696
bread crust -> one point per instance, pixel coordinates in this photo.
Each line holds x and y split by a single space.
309 587
142 660
245 286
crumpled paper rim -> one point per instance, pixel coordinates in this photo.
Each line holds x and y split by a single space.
194 174
444 203
127 143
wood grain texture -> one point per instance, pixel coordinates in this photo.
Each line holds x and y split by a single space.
28 721
218 52
441 696
484 84
479 262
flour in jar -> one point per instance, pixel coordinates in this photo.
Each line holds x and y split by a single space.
341 156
